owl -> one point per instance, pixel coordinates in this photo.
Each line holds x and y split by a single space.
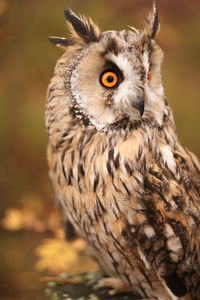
123 181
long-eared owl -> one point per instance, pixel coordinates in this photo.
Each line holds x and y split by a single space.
124 182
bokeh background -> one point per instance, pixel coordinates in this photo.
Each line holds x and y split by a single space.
27 60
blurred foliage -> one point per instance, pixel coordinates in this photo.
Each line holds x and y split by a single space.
26 66
58 256
55 255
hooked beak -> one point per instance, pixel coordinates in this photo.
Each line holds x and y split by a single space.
139 105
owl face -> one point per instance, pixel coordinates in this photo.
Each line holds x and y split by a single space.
114 74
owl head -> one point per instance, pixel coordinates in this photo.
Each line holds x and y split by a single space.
108 76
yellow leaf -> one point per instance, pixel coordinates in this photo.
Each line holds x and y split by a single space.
13 220
55 255
58 256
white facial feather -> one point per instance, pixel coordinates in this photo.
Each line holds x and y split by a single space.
128 90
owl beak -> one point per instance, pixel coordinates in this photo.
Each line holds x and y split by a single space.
139 106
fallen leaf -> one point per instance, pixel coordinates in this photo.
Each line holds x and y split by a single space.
57 256
13 220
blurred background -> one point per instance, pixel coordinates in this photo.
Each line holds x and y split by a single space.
27 215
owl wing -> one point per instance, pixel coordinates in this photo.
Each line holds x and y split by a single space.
171 222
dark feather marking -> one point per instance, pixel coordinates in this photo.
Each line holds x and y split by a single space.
78 181
121 250
101 205
140 150
165 117
124 123
96 181
79 115
150 144
127 190
65 134
126 36
192 160
84 227
98 208
89 136
156 174
116 241
81 170
116 204
52 88
111 154
159 187
111 158
61 41
125 234
153 215
109 169
74 220
61 141
96 215
70 176
196 220
89 217
128 279
80 150
181 231
166 102
111 47
156 23
114 212
105 227
144 274
72 157
176 285
62 163
179 201
142 290
116 161
128 168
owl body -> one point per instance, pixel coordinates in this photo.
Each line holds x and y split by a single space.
119 172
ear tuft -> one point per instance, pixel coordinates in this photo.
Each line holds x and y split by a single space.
61 41
83 29
152 22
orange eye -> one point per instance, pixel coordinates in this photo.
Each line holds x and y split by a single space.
109 79
149 76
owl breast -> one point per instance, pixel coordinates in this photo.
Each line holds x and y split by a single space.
117 190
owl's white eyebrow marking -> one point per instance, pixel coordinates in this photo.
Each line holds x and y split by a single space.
121 62
146 60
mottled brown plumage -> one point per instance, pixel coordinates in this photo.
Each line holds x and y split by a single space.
123 180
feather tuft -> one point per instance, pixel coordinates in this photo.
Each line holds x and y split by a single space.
152 22
83 29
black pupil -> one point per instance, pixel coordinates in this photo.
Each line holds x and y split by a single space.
110 78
